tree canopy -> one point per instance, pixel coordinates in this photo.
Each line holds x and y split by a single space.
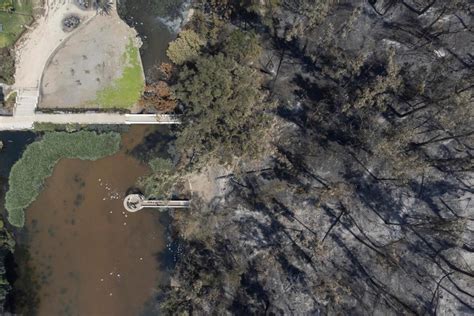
185 48
242 46
225 112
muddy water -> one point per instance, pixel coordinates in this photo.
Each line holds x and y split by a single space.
88 255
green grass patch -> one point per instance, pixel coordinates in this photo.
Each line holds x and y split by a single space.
14 15
6 5
28 174
125 91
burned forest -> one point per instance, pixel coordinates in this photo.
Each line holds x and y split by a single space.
360 201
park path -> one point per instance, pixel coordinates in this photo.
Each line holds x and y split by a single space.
36 46
26 102
26 121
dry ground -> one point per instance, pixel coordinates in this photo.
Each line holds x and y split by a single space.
87 63
36 46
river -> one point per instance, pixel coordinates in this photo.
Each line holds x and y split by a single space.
154 34
80 252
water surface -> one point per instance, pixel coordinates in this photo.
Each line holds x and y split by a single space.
87 256
154 34
14 143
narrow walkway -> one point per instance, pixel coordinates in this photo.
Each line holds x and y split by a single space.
135 202
26 102
27 119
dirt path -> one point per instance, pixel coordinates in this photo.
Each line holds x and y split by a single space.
35 47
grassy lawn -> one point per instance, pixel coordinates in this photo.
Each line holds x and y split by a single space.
125 91
6 5
13 22
37 163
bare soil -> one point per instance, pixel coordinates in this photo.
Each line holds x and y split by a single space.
88 62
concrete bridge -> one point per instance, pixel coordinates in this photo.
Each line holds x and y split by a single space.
135 202
25 115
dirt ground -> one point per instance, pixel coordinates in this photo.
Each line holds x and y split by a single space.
34 48
86 63
208 183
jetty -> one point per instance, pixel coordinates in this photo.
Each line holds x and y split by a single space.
136 202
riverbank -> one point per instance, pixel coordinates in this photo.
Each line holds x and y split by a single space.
13 145
157 22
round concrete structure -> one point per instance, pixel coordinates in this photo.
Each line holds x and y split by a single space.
133 202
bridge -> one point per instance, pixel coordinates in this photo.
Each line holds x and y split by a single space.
24 117
136 202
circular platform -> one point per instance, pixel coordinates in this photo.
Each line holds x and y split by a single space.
133 202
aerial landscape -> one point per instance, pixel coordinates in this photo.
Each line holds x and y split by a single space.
236 157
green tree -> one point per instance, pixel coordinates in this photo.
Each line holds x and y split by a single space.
185 48
162 180
7 66
242 46
225 113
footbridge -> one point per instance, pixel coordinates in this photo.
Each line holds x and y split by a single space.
25 115
135 202
26 120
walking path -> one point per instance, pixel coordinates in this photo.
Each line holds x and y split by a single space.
26 120
26 102
36 46
135 202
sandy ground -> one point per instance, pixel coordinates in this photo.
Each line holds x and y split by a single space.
208 183
36 46
85 63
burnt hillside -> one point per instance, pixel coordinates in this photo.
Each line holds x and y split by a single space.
364 205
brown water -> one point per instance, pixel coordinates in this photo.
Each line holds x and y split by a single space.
88 256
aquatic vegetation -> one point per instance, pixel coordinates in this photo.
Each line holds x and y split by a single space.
28 174
125 91
163 179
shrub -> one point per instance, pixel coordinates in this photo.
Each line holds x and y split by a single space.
28 174
7 66
225 114
242 46
185 48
